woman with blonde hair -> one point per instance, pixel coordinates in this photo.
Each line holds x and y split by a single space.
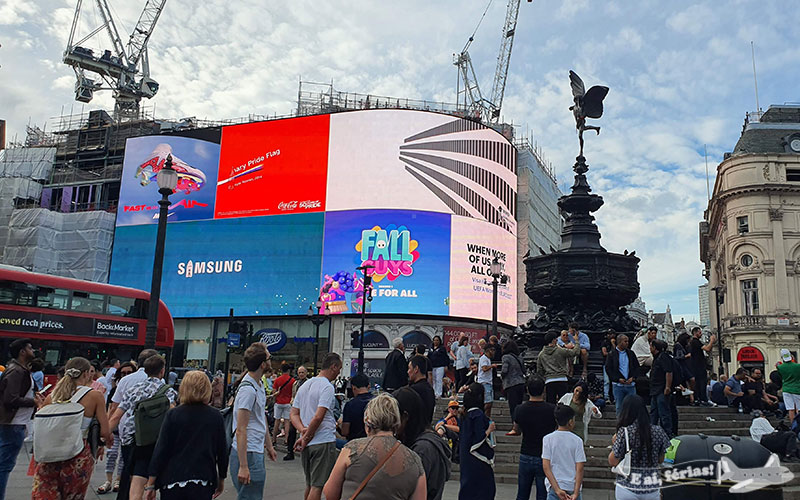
70 478
190 460
377 466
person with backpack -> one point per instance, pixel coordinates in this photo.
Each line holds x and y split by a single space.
191 456
144 406
124 387
16 406
64 456
114 460
250 427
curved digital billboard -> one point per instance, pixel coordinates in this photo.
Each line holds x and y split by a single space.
271 216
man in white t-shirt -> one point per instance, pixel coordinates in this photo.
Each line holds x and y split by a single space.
485 378
123 388
312 416
563 457
250 427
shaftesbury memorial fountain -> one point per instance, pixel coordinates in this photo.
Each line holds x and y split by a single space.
581 281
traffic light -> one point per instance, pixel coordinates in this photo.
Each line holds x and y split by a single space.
354 339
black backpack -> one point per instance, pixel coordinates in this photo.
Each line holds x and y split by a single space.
678 372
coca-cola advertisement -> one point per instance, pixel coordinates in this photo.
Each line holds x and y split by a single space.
273 167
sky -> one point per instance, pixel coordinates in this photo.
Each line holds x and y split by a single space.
680 74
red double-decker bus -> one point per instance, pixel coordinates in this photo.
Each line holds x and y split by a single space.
67 317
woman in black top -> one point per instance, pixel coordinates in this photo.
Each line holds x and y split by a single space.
439 361
190 459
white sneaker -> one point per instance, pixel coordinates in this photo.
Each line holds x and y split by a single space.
687 392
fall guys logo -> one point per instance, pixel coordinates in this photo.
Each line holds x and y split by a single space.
391 250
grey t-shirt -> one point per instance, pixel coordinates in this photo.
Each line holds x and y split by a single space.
317 393
564 449
254 399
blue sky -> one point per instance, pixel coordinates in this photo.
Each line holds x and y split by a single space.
680 74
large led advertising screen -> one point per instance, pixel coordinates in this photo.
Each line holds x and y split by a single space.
281 213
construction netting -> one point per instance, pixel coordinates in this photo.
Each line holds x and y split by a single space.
76 245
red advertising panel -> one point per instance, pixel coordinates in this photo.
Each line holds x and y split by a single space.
453 333
273 167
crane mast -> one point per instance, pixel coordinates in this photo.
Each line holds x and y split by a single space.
125 71
468 92
504 58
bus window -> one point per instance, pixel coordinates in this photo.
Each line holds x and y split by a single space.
7 293
20 294
122 306
140 311
87 302
53 298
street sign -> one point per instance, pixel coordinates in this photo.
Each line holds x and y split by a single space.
234 339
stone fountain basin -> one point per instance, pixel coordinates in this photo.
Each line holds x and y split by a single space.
576 276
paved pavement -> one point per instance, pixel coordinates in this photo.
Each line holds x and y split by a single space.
284 481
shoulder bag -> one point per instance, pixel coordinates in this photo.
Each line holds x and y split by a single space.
375 470
623 468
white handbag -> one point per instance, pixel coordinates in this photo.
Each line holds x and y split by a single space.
623 468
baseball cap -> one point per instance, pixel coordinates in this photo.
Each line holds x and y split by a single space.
452 404
786 356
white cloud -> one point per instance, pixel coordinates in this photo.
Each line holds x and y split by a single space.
680 75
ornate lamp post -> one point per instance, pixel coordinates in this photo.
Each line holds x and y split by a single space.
496 269
367 297
167 182
317 319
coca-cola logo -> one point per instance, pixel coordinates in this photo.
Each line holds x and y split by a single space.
292 205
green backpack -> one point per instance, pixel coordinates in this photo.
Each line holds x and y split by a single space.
148 415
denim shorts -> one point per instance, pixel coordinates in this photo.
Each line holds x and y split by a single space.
488 393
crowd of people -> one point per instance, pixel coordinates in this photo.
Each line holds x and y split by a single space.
183 444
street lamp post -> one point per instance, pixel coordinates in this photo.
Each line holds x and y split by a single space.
317 319
167 182
719 299
496 269
367 297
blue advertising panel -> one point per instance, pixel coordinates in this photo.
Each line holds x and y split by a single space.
257 265
195 161
410 252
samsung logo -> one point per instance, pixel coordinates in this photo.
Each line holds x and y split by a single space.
190 268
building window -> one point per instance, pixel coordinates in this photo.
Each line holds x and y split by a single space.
742 225
747 260
750 297
792 175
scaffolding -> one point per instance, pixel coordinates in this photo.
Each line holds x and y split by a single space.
528 144
319 98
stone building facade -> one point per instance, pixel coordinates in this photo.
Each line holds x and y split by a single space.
750 241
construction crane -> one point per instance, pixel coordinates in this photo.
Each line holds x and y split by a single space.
124 70
468 92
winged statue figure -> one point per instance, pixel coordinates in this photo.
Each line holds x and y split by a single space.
588 104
